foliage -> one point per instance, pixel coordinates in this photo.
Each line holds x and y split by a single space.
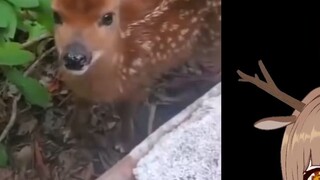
32 20
3 156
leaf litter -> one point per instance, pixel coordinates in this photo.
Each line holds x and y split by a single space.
37 143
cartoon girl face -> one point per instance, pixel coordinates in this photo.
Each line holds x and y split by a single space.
300 149
300 159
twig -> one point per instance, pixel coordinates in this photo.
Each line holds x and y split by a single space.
12 117
25 109
41 168
102 161
36 62
152 113
64 100
29 43
165 100
17 98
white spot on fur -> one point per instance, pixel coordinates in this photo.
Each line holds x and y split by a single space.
194 19
137 62
114 58
123 35
164 57
201 11
128 32
164 27
120 88
147 45
195 32
132 71
158 11
180 38
215 4
158 55
174 27
121 59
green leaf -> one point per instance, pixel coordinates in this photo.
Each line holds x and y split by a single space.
14 45
25 3
45 15
20 20
30 88
2 38
3 156
8 18
3 22
35 30
11 54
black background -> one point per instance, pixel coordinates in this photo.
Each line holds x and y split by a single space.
286 37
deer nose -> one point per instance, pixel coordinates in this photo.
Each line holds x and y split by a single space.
74 61
76 57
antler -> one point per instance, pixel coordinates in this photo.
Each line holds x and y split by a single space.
270 87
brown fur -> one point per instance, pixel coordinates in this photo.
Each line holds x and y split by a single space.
148 38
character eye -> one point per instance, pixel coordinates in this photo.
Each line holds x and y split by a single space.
57 18
312 174
107 19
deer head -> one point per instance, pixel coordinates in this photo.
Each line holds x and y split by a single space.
86 31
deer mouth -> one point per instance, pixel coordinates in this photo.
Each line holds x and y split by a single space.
83 67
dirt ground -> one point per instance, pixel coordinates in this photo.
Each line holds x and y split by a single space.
37 145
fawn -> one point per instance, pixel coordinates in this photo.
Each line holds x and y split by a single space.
113 50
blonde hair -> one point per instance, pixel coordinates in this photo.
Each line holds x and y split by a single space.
301 141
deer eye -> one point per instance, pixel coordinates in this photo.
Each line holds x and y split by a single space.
107 19
57 18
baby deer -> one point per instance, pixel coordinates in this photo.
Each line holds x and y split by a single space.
112 51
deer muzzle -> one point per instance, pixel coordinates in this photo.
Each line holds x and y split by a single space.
76 56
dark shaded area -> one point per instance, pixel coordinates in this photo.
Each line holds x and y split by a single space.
38 142
189 93
286 37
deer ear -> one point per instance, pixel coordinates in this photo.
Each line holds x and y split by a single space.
271 123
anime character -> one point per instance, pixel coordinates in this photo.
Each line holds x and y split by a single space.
300 150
